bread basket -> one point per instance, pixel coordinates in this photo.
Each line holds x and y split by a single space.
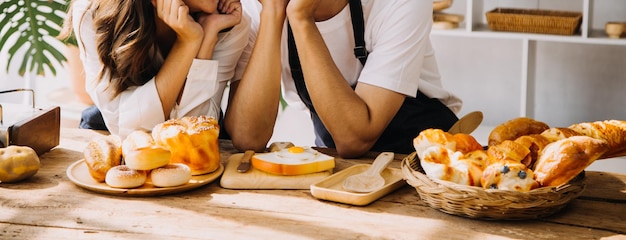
489 204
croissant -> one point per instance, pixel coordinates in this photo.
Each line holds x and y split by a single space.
562 160
507 151
535 143
612 131
515 128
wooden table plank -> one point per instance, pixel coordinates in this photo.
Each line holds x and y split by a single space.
49 205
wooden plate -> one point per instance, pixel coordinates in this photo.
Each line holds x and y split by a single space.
78 173
331 188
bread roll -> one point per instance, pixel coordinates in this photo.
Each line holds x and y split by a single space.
122 176
433 137
562 160
462 142
101 154
442 163
535 143
192 141
507 151
611 131
466 143
171 175
141 153
515 128
18 163
508 176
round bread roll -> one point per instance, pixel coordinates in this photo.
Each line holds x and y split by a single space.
508 176
122 176
18 163
192 141
515 128
101 154
171 175
141 153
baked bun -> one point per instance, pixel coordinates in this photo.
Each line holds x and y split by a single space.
442 163
507 151
535 143
171 175
192 141
18 163
505 175
515 128
101 154
466 143
294 160
562 160
461 142
611 131
141 153
433 137
122 176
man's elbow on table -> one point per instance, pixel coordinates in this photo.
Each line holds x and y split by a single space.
244 142
353 148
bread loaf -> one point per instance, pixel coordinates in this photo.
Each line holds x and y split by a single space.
562 160
515 128
192 141
557 133
611 131
101 154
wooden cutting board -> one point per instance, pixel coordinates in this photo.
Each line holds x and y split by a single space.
257 179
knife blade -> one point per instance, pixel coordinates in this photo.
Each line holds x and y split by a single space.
244 164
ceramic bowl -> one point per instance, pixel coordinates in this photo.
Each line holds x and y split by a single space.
614 29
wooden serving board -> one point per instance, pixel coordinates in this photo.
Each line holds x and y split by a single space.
257 179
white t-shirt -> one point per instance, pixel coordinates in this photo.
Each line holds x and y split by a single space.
139 108
397 36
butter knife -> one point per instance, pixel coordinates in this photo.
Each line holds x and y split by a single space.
244 164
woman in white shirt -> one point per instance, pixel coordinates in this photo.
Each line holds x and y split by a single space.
149 61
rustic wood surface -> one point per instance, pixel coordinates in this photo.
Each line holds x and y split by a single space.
50 206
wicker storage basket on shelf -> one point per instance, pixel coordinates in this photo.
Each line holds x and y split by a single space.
534 21
491 204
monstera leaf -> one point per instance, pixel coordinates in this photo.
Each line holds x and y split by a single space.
31 26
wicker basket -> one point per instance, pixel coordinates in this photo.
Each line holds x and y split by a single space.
490 204
534 21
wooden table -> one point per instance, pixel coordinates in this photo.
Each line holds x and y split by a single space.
50 206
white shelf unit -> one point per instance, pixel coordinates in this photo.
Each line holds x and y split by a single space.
475 25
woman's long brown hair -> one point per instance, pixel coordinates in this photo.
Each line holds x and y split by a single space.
125 39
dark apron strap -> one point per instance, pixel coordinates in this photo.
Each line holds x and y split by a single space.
415 114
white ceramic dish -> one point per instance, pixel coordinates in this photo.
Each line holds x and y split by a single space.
78 173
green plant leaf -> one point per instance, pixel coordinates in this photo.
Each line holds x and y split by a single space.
28 29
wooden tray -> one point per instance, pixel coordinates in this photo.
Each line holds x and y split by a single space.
534 21
331 188
79 174
257 179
